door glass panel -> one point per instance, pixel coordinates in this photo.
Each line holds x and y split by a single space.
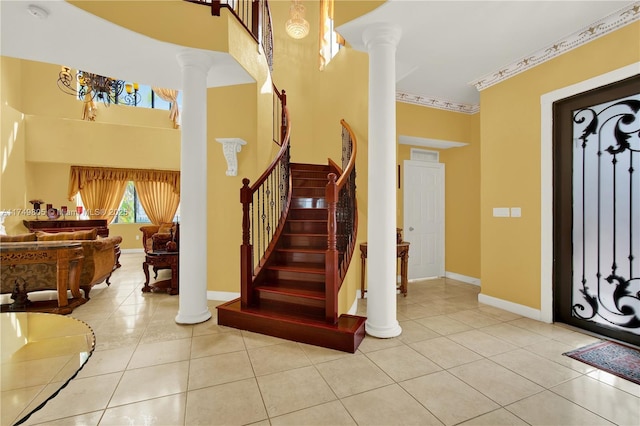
606 214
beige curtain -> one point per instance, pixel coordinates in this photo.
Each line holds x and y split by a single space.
102 198
326 33
169 95
158 200
89 110
80 176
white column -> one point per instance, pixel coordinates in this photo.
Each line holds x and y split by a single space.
193 307
381 41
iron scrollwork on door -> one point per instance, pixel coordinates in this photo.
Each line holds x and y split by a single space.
606 211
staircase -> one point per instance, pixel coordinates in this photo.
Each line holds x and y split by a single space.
289 294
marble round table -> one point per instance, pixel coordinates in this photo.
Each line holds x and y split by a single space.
40 354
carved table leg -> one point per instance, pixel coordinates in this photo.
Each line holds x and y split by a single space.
145 268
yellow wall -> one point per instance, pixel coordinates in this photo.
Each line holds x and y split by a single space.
510 158
44 142
12 145
462 179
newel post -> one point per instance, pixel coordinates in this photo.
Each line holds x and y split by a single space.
331 256
246 250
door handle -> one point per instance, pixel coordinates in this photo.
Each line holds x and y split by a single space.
411 228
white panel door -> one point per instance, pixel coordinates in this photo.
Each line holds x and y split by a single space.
424 218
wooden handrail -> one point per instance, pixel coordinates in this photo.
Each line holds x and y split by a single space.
283 149
262 223
342 223
352 161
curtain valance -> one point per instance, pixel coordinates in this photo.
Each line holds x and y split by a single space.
79 176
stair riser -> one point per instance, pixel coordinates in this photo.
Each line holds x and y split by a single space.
273 275
308 214
309 174
292 258
303 182
308 202
303 166
308 192
302 302
345 336
305 241
307 227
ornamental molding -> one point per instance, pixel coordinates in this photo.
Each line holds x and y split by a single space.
230 149
599 28
436 103
612 22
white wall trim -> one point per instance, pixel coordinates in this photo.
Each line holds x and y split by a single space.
132 250
515 308
354 307
546 175
463 278
223 296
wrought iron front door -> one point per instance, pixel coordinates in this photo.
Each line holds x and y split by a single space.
597 211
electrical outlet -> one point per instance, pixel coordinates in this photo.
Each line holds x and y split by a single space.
137 237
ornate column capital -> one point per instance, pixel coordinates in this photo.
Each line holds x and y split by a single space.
195 58
230 149
380 34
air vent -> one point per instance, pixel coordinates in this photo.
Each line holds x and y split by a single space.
425 155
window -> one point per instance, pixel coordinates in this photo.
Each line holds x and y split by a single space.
130 210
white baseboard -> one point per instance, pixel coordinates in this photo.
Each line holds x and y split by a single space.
463 278
514 308
132 250
354 306
223 296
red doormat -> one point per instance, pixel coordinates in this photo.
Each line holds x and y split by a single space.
622 361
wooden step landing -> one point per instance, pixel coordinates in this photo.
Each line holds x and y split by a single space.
275 319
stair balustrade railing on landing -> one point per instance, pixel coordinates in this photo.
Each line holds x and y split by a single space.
255 15
342 223
264 208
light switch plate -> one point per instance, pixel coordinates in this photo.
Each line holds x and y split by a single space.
516 212
501 212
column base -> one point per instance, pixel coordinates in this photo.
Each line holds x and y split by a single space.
392 330
193 319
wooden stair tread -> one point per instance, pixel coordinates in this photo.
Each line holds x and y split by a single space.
301 250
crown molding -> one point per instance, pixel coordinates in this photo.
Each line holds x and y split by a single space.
436 103
599 28
612 22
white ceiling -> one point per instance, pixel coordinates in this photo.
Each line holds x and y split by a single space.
446 46
72 37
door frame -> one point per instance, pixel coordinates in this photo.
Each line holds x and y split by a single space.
441 246
546 175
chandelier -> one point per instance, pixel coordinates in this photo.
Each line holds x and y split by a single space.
297 27
90 87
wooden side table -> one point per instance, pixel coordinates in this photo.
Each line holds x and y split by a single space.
162 258
68 257
402 251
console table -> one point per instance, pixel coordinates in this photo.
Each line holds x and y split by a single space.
68 225
402 252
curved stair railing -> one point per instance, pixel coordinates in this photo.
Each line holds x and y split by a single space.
254 15
342 222
264 208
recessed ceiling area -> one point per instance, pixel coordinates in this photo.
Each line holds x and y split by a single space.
448 48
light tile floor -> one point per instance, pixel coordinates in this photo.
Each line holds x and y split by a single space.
456 362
